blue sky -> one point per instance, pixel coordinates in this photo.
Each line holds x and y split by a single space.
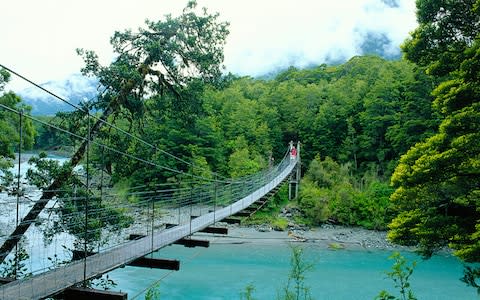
39 38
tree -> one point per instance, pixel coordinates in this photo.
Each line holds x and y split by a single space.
4 78
163 60
438 181
242 161
10 123
71 205
330 193
446 28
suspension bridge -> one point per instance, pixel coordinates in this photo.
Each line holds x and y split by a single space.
152 218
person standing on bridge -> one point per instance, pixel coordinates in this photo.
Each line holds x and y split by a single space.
293 152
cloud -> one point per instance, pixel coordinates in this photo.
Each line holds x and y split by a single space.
303 33
391 3
39 38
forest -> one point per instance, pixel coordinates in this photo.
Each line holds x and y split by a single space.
386 144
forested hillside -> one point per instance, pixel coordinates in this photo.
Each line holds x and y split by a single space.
354 120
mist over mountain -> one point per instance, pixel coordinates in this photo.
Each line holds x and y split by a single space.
74 89
378 43
77 88
369 43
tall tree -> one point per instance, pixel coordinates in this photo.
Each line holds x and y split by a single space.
446 28
162 60
438 180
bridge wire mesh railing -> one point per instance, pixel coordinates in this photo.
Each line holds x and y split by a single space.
146 210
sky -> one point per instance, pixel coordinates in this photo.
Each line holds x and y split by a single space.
38 38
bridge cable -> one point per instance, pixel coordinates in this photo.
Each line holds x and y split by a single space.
107 123
108 147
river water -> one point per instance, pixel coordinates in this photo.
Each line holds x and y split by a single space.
224 270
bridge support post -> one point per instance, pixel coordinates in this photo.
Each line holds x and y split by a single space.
294 180
292 188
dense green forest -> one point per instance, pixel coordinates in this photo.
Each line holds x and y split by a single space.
354 121
384 143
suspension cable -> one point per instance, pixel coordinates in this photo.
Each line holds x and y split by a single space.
107 123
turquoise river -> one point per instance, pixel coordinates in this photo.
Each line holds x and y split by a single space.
222 271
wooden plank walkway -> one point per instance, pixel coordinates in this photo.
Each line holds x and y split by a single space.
54 281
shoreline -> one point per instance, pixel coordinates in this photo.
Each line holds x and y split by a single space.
333 237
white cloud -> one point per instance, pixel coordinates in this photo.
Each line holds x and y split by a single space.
39 38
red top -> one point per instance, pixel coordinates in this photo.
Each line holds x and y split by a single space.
293 152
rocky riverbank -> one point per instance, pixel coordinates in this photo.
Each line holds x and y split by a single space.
326 236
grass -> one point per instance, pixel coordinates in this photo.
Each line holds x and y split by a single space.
280 224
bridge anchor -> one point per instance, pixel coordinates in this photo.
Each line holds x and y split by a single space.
77 293
217 230
156 263
190 243
231 221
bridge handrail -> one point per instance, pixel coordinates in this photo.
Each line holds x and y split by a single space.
248 190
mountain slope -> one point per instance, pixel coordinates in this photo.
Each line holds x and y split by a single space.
74 89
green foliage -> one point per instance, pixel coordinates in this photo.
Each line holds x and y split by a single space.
153 293
248 293
436 181
50 139
364 113
295 288
155 84
330 193
471 276
446 28
400 275
314 202
73 200
10 130
16 267
242 161
4 78
188 51
200 167
280 224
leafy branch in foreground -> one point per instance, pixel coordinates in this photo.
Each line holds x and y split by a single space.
16 267
471 276
153 293
297 277
248 293
400 275
295 288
